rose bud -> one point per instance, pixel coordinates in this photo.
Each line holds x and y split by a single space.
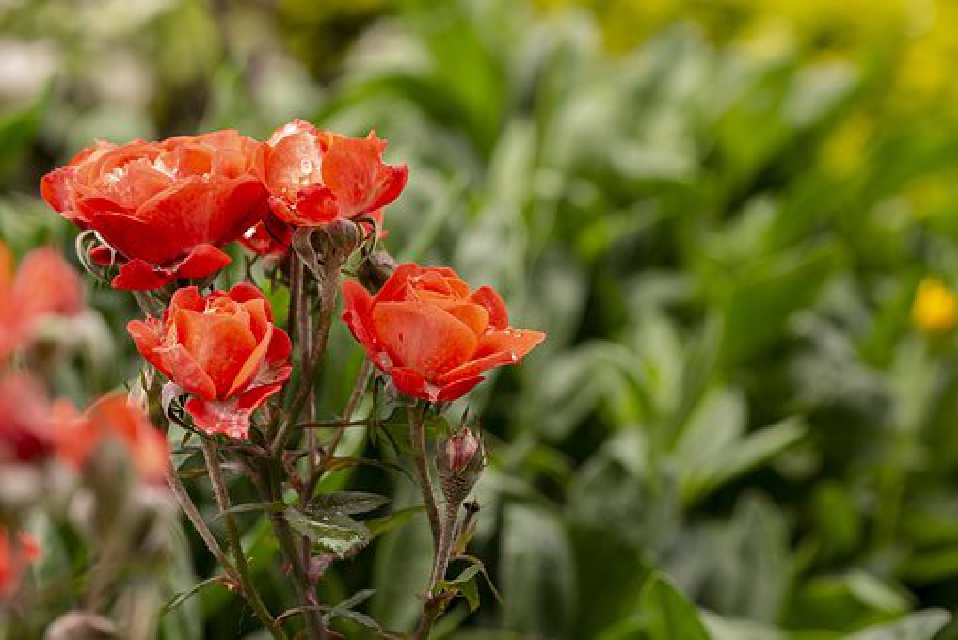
460 460
315 177
166 207
223 349
375 270
431 333
458 451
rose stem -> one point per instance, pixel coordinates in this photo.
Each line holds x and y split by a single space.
359 387
268 486
211 455
328 287
417 433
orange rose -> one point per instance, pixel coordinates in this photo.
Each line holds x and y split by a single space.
314 176
166 207
223 349
431 333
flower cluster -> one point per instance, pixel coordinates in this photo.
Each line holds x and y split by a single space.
158 218
164 212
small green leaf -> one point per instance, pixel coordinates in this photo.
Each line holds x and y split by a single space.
348 502
265 507
476 562
669 615
465 584
336 533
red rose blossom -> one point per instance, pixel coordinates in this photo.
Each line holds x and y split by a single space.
431 333
112 416
314 176
222 349
44 284
166 207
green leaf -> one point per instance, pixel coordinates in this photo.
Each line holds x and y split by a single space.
465 584
336 533
918 626
348 502
476 562
264 507
669 616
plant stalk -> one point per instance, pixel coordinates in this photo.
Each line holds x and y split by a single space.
211 455
417 433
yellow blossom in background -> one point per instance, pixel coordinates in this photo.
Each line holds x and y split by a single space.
922 34
845 149
935 307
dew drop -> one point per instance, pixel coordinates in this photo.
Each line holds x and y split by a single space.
116 175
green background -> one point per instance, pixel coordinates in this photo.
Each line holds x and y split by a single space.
719 212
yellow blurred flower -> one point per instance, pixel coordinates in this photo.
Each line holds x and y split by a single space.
846 147
935 307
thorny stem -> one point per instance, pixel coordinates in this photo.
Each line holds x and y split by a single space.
447 537
268 487
211 455
362 380
417 433
193 515
446 540
304 340
328 288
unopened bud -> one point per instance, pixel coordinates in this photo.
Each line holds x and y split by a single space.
459 450
376 269
345 235
460 460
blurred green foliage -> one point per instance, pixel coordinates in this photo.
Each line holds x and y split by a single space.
735 430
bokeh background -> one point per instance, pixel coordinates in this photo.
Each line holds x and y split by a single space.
736 219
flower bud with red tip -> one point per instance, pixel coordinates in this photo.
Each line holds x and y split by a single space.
460 460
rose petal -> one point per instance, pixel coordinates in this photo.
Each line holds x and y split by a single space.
202 261
280 346
492 301
137 275
357 314
181 367
457 389
422 337
410 382
221 344
229 417
187 298
396 287
256 359
495 349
